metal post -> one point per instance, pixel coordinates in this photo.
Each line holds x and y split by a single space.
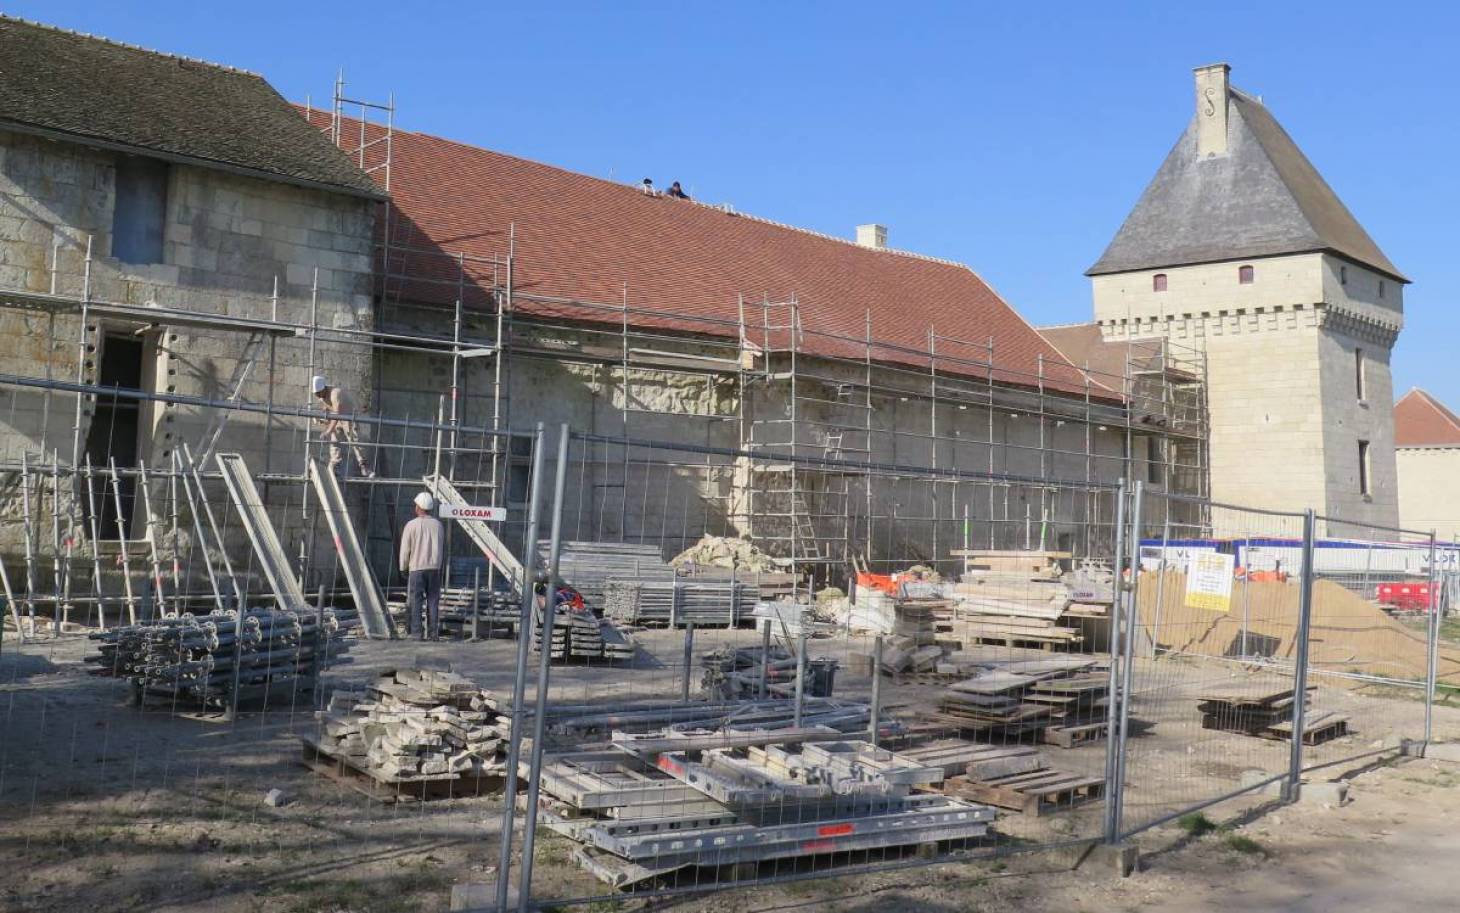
116 481
1161 582
765 657
1300 661
689 656
1132 620
539 719
1112 748
476 602
1432 662
876 710
95 545
800 675
239 606
519 683
321 646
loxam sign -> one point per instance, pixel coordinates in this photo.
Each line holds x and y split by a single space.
470 512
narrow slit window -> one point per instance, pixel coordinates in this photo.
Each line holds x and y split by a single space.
1381 288
1244 275
1158 282
1364 467
1359 374
1342 275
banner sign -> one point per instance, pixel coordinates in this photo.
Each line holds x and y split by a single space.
468 512
1209 581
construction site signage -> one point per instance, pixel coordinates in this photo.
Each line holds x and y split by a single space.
470 512
1209 581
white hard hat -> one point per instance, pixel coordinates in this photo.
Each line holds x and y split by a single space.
318 384
425 502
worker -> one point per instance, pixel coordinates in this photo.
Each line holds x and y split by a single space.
420 560
677 192
340 432
647 187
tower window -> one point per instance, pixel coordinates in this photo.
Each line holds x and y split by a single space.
1244 275
1342 274
1359 374
1381 288
1364 467
1158 282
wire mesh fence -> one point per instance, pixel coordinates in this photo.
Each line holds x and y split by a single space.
651 702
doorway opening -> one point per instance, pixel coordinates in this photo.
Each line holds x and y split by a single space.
115 432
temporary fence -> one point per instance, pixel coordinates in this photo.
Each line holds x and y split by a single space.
977 689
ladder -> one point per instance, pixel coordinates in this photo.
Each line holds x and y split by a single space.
255 520
221 414
501 557
373 617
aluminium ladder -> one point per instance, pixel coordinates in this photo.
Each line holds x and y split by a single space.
373 617
481 534
255 520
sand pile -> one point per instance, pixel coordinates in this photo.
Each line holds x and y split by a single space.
1348 634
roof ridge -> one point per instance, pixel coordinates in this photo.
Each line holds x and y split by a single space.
5 17
723 208
1439 407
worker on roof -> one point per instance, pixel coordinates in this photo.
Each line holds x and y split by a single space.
676 192
421 548
339 431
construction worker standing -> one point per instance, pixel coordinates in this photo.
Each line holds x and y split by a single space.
340 432
420 559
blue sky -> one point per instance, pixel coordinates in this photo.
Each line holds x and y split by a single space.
1011 137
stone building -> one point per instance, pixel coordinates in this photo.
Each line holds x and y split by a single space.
642 317
200 249
1427 451
133 184
1238 247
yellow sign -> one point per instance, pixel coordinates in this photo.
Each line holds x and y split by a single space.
1209 581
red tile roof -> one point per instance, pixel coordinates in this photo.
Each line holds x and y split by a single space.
586 239
1420 420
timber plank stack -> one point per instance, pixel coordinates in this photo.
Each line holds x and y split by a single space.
1060 699
1015 599
1014 777
1268 715
417 729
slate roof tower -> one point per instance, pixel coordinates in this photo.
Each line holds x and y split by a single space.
1239 247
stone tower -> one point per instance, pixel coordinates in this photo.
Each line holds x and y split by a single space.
1239 247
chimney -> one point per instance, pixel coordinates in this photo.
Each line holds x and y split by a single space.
872 235
1211 110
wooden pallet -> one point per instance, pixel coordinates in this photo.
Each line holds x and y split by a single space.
389 792
1070 736
1033 793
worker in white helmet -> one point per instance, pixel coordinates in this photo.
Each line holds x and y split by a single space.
421 547
340 432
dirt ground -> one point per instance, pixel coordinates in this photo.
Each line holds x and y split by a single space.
104 807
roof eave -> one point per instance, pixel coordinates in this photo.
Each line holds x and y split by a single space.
95 142
1097 270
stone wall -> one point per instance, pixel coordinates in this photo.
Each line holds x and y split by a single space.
1285 416
1429 497
225 240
